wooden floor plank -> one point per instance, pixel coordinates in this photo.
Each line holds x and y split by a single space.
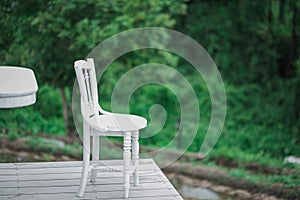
60 180
91 196
8 191
4 166
7 171
33 177
69 164
62 170
8 184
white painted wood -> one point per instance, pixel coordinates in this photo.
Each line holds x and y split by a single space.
6 178
68 164
8 166
50 181
103 123
7 172
86 159
8 184
88 196
31 182
18 87
126 166
73 176
117 190
8 191
75 179
135 156
62 170
95 157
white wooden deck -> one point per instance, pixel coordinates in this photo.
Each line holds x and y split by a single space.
60 180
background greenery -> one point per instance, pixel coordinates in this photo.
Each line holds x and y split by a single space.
255 45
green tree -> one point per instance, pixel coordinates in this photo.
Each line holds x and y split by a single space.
49 35
255 44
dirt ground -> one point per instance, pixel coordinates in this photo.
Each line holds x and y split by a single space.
221 181
241 194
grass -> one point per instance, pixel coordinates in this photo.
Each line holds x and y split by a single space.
234 153
287 181
288 184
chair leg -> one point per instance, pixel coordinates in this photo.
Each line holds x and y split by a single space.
135 156
95 157
126 160
86 159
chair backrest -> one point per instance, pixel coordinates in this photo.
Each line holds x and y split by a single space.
86 77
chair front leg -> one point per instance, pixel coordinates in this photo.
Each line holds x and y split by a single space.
95 157
86 159
126 160
135 156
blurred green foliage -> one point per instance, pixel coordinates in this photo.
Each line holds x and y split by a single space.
255 45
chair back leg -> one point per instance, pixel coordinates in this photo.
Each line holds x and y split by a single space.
86 159
95 157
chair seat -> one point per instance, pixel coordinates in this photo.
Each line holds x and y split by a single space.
117 122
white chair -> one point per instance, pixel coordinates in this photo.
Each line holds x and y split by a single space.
97 122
